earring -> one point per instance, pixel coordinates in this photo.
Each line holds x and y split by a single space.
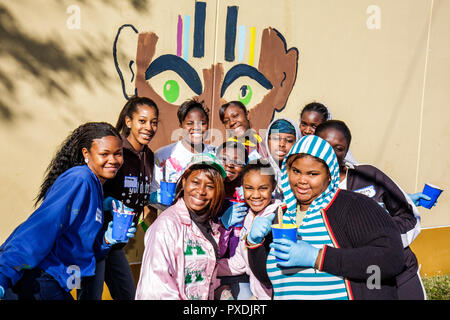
86 160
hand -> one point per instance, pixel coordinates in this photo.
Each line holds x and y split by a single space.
234 214
108 234
108 203
296 254
260 228
415 197
2 292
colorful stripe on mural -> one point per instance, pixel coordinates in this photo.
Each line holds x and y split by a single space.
241 42
251 56
179 36
187 26
199 29
230 33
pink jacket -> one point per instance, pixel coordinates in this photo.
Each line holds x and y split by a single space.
179 263
238 264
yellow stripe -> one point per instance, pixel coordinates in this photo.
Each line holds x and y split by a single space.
251 57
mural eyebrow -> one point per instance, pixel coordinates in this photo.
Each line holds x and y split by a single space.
178 65
242 70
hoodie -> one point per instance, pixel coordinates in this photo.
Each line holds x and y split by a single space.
278 194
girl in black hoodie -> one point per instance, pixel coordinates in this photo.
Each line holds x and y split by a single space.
137 124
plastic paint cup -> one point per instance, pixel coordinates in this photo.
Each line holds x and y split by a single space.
237 226
121 223
286 231
167 192
433 192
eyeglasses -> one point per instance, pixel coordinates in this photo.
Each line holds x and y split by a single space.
275 137
231 162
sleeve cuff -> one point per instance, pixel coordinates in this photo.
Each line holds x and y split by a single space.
249 245
4 281
321 258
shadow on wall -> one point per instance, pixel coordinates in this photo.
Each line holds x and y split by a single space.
47 63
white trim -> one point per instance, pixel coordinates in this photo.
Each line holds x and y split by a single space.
435 227
419 146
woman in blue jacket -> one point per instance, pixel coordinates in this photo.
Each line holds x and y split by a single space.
48 254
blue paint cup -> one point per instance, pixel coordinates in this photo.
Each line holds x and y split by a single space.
121 223
286 231
433 192
167 192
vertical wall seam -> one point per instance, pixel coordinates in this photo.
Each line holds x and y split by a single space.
419 146
216 35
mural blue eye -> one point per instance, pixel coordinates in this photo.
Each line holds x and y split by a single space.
245 94
171 91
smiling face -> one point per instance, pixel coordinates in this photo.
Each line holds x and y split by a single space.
199 191
105 157
143 126
258 188
308 178
236 120
195 125
309 122
280 144
233 161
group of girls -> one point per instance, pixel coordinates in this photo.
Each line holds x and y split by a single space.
214 241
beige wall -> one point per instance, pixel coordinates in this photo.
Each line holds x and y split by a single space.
390 85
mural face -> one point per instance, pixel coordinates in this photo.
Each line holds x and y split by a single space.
264 89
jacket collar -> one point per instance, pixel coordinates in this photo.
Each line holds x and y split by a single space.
127 145
185 218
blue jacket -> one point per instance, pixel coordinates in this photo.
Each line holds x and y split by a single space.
62 236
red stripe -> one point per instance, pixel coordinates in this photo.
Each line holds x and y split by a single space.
322 258
332 200
349 290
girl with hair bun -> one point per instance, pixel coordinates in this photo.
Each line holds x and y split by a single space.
137 125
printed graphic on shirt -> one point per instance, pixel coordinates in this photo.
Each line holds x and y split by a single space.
99 216
368 191
130 182
135 186
193 248
196 263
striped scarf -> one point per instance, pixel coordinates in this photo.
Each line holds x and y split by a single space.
307 283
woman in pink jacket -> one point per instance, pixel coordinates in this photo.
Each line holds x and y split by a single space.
181 246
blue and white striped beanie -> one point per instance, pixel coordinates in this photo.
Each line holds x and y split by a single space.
319 148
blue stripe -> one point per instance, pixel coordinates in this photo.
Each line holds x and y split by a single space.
199 29
306 275
187 26
310 292
230 33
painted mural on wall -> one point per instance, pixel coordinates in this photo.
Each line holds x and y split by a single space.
274 75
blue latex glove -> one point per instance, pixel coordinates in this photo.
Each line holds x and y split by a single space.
296 254
234 214
415 197
260 228
2 292
155 197
108 234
